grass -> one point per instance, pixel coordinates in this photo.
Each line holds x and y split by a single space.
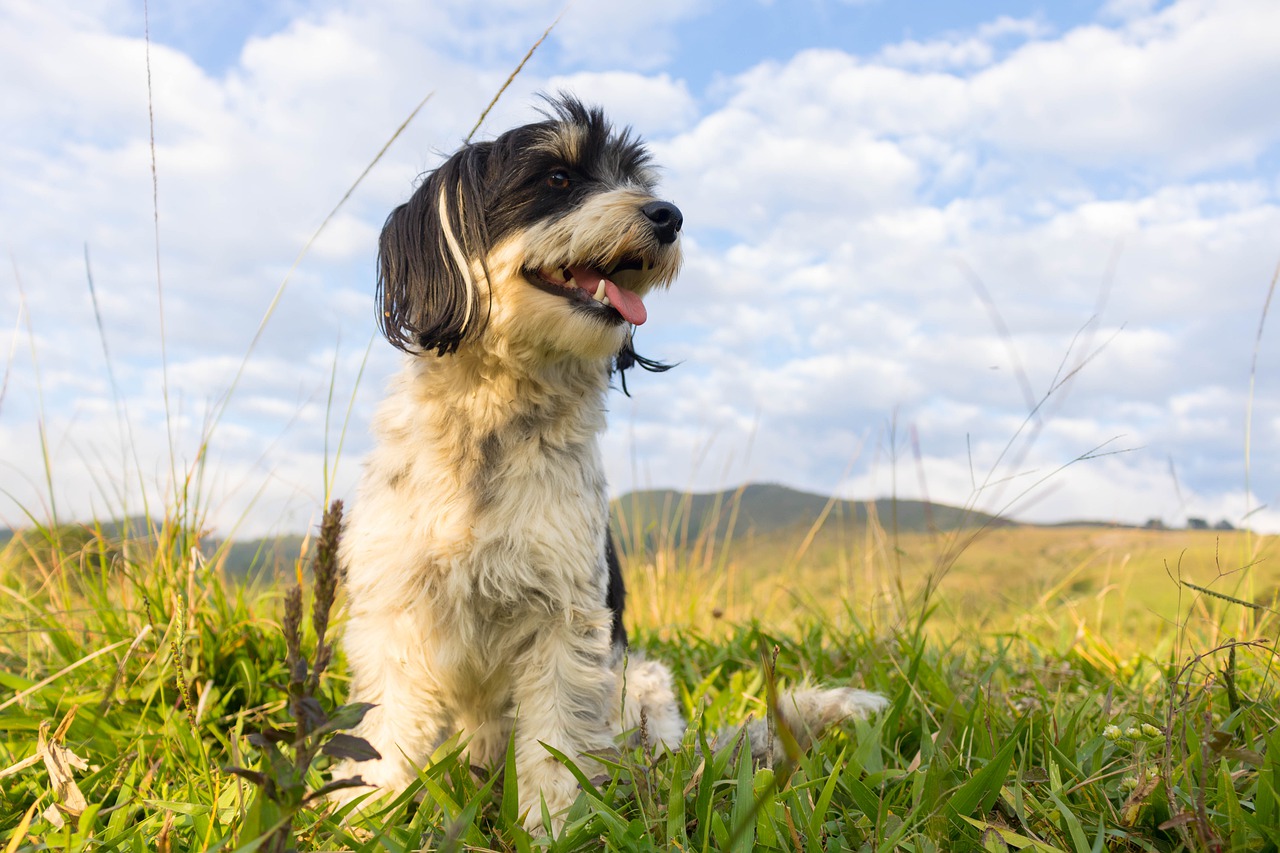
1067 711
1075 689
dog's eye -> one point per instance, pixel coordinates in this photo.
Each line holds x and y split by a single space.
558 180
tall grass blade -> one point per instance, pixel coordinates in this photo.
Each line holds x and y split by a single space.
979 793
511 77
225 401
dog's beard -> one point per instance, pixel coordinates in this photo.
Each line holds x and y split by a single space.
534 319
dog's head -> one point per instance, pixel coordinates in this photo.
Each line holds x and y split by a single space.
544 240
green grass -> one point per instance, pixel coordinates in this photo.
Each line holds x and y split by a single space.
1075 690
1024 734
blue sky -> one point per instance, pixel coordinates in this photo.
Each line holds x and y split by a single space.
906 224
721 38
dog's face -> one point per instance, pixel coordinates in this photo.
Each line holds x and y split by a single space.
545 240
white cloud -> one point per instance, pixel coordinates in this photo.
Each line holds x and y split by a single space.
839 305
1127 9
1190 88
655 104
619 32
969 53
833 205
961 50
743 172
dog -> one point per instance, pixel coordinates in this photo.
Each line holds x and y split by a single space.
485 594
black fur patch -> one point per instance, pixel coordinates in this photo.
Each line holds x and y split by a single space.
616 596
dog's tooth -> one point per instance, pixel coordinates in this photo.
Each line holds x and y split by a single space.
605 302
599 296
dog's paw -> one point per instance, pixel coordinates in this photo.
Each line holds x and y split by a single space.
649 707
545 782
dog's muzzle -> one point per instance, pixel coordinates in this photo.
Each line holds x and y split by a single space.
592 288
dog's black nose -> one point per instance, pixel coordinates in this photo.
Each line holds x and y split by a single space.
666 219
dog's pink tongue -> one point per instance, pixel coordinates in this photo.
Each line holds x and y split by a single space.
630 306
626 303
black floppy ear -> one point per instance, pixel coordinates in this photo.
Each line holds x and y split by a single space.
427 294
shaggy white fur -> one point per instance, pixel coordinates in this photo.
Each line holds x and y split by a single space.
480 594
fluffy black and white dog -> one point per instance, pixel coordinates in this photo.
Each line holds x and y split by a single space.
484 591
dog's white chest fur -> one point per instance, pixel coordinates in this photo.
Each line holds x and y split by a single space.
483 502
475 561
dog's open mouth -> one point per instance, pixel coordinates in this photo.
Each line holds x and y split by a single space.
590 286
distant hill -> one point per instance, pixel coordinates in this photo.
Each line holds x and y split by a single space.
756 510
247 559
764 509
242 560
96 545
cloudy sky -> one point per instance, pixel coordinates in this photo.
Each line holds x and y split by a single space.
1014 254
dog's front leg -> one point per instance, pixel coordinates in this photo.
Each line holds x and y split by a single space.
385 653
563 688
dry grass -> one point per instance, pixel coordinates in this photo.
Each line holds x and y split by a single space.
1055 584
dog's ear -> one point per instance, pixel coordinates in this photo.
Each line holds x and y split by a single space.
427 294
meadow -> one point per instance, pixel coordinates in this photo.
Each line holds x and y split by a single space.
1072 689
1052 689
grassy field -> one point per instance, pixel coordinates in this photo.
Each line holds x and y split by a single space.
1055 585
1052 689
1074 689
